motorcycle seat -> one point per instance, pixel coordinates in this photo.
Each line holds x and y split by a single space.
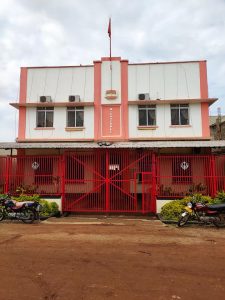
19 205
217 207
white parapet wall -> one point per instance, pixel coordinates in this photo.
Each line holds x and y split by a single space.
160 203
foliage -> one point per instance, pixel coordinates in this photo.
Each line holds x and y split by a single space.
24 197
46 208
197 188
54 208
49 208
220 197
198 198
26 189
173 209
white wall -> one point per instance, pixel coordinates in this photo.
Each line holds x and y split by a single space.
163 123
59 83
106 81
160 203
59 125
164 81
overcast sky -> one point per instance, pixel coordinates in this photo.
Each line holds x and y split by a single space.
71 32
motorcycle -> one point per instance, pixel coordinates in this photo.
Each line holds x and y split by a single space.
26 211
203 214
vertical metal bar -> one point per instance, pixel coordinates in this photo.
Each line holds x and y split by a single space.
143 191
107 181
6 189
153 191
63 188
213 176
135 190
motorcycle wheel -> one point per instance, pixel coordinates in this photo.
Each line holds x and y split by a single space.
2 215
29 214
220 222
183 220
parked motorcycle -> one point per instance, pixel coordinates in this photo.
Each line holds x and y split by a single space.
26 211
203 214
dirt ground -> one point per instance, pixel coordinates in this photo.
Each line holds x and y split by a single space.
110 258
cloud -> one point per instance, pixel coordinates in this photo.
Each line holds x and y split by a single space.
71 32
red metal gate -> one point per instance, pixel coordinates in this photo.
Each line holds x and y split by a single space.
112 180
219 172
3 174
109 181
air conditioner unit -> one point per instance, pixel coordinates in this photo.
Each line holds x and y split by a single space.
77 98
45 99
71 98
74 98
144 96
48 98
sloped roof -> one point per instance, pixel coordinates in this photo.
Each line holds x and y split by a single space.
212 120
144 144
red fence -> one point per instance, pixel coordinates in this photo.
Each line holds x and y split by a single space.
112 180
32 174
181 175
219 172
3 174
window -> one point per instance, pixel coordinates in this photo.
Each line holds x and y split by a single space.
75 116
45 116
179 114
181 170
147 115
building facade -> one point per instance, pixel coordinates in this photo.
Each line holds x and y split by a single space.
113 100
114 136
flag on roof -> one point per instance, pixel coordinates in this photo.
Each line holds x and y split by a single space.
109 28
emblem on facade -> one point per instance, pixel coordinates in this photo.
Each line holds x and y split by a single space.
35 165
184 165
111 94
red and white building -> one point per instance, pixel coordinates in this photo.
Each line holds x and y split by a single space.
114 136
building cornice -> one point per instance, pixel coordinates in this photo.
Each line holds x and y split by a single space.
172 101
51 104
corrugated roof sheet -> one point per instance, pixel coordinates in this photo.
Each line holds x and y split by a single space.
144 144
212 120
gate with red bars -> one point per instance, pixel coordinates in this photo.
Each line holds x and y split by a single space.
109 181
112 180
